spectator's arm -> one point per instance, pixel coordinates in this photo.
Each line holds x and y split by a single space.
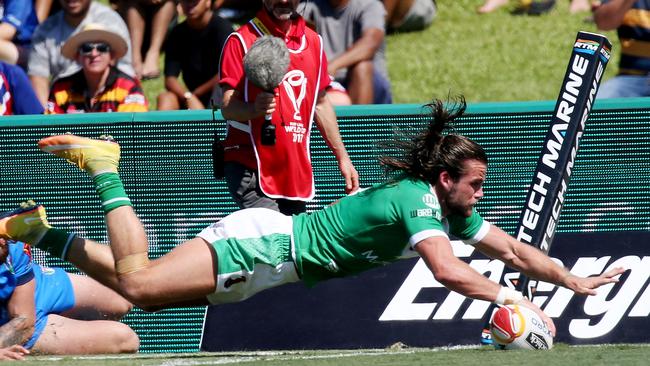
207 87
38 65
22 312
203 89
329 129
390 6
174 85
361 50
16 14
41 87
7 31
42 8
609 15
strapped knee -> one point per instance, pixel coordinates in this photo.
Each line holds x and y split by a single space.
132 263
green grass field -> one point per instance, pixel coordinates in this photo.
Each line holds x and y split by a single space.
484 356
492 57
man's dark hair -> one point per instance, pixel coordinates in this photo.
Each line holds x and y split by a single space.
431 152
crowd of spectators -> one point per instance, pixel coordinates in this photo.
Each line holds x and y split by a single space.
192 34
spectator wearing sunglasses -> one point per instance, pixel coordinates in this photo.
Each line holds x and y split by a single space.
99 86
46 62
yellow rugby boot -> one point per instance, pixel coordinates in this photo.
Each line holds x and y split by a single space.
93 156
27 223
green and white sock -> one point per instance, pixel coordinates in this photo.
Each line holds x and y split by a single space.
111 191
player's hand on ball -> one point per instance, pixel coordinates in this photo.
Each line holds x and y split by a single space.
588 285
549 322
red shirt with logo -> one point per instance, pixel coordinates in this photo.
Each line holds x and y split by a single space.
284 168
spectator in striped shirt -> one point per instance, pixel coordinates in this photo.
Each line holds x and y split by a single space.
99 86
631 19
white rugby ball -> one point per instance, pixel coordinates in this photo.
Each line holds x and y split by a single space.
518 327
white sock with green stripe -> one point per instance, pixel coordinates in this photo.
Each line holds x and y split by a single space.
111 191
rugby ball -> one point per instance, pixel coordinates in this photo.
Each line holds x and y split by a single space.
518 327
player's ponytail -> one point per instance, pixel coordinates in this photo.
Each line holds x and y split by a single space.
430 152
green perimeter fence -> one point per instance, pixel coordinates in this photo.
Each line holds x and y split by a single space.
167 171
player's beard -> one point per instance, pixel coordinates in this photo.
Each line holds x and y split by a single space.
457 206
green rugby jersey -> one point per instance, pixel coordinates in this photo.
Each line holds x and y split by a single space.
374 227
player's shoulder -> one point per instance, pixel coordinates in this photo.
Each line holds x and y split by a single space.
402 190
410 183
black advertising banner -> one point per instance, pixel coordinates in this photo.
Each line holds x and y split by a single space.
402 302
547 192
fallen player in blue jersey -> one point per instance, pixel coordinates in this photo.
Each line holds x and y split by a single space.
48 311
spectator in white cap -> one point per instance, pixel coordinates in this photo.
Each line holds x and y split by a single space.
99 86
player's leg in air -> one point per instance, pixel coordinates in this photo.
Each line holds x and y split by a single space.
185 276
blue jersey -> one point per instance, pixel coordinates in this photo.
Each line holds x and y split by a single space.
16 93
17 270
22 15
53 293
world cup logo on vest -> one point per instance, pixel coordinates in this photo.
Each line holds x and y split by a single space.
295 79
295 86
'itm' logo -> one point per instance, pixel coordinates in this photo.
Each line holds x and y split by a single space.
585 46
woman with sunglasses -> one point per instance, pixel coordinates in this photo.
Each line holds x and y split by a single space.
99 86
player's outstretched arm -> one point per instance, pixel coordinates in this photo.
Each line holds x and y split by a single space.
535 264
458 276
453 273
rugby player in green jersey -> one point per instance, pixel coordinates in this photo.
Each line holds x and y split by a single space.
439 180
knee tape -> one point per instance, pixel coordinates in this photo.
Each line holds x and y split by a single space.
132 263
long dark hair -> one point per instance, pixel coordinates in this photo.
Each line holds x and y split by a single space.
430 152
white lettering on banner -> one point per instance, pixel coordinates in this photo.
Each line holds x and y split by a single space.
614 309
603 311
402 307
583 267
642 306
531 214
